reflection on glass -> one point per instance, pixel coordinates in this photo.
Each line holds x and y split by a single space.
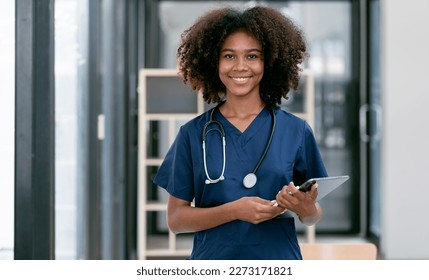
70 67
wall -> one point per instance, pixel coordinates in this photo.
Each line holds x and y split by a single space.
405 150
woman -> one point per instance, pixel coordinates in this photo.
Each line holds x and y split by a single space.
245 61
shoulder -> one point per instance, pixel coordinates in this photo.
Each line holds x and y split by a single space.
291 124
288 118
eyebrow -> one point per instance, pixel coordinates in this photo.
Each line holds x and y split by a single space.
249 50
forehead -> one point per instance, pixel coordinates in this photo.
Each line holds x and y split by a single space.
241 40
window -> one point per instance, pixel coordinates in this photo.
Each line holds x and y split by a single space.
7 127
71 64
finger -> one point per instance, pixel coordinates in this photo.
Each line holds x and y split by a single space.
280 197
267 205
288 189
279 210
271 211
266 202
291 189
284 199
314 192
276 205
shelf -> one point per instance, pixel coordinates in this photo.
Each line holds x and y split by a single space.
154 206
162 98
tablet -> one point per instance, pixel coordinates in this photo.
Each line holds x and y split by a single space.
325 185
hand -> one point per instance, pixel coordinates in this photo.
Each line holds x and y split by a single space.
302 203
256 210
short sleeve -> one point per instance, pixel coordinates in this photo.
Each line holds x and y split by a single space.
309 163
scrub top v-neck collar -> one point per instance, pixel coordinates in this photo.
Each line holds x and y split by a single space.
243 143
252 129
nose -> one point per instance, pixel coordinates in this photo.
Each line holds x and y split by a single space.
240 64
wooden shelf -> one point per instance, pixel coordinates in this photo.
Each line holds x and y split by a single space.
154 206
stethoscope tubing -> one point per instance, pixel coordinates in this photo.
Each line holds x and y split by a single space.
252 175
223 135
270 139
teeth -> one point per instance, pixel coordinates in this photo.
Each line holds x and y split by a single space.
240 79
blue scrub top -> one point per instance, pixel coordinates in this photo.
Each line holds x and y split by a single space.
292 156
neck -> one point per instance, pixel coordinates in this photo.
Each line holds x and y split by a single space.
242 109
241 114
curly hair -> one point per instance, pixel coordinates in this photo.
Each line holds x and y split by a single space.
283 44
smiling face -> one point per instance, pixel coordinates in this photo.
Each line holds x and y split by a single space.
241 65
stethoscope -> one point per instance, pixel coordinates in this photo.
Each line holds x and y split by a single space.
249 181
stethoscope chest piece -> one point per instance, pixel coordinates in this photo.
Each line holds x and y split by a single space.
250 180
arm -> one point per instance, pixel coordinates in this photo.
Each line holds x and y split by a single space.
182 217
302 203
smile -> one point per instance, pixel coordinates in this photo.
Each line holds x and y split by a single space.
240 79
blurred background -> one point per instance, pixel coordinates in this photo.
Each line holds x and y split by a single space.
80 144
